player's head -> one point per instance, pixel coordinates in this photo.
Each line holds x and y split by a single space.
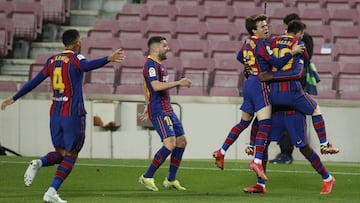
296 28
288 18
71 40
256 25
158 47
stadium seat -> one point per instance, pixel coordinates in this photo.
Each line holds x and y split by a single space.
189 30
104 75
336 4
93 48
320 34
90 88
242 32
130 74
180 3
349 81
328 74
3 43
27 19
8 86
225 82
161 12
218 13
344 17
131 29
221 31
198 71
214 2
224 49
315 16
54 11
345 34
242 11
134 47
189 13
190 48
174 66
165 29
346 53
105 28
6 8
301 4
246 3
134 12
277 16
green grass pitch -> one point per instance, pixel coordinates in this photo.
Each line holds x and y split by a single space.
116 180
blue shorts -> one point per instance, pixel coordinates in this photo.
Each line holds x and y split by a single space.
68 132
292 122
295 98
167 125
255 95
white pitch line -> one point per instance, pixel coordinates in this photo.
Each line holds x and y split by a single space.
195 168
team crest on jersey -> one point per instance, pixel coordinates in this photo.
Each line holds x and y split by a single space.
269 50
152 72
80 57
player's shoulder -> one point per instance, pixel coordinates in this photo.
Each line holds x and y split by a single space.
79 56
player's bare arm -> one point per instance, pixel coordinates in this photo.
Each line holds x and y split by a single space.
7 102
159 86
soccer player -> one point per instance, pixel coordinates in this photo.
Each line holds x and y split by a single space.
159 110
286 120
67 111
285 87
256 54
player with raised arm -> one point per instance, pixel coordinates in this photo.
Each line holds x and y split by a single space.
256 54
159 110
67 111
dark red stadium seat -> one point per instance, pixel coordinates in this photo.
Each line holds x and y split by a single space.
3 43
90 88
320 34
315 16
104 28
6 36
345 34
218 13
133 12
190 30
349 81
161 12
54 11
27 19
346 52
242 11
221 31
134 47
190 48
344 17
301 4
165 29
8 86
131 29
93 48
130 74
199 72
6 8
277 16
328 73
104 75
225 82
174 66
224 49
188 13
246 3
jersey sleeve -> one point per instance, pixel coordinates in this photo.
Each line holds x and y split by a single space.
30 85
293 73
88 65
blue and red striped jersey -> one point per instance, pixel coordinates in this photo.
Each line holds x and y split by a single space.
159 101
257 54
66 72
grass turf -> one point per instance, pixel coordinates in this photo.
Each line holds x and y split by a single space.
116 180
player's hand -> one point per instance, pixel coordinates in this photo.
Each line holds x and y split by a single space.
247 70
185 82
298 49
265 76
7 102
117 56
143 117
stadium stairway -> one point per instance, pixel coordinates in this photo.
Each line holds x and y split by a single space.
83 14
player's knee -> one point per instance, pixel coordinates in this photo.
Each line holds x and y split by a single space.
181 142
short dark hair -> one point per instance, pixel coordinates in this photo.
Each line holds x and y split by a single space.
250 22
290 17
155 39
296 26
70 36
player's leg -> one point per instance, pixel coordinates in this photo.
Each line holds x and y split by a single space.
264 119
176 155
164 128
232 136
315 161
73 138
